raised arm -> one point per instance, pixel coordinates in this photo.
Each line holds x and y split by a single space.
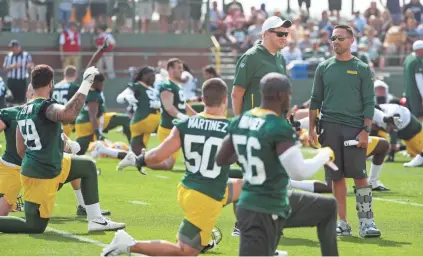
68 113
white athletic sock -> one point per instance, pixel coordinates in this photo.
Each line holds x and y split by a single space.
374 172
109 151
306 185
93 211
79 197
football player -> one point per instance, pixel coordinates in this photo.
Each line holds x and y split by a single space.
173 107
64 91
39 142
402 124
205 188
265 144
93 121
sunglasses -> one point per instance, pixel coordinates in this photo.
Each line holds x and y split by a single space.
280 33
333 38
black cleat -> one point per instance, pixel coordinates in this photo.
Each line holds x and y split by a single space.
381 188
81 211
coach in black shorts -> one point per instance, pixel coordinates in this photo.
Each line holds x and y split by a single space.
343 92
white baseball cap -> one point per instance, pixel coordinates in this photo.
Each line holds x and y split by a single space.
380 83
418 45
274 22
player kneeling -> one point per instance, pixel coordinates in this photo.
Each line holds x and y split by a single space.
205 188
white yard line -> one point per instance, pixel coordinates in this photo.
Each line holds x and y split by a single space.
79 238
398 201
138 202
163 177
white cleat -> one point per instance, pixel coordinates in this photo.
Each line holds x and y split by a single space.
128 161
119 245
415 162
98 147
369 230
281 253
103 224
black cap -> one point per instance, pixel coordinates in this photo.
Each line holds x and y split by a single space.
13 43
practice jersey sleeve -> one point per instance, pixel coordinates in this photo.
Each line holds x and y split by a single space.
244 71
317 90
282 132
43 108
367 92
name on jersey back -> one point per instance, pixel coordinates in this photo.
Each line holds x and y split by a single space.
205 124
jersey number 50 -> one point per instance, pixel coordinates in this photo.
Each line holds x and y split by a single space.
202 162
250 161
30 134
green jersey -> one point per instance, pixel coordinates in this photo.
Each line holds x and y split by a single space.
93 95
344 92
43 140
255 135
251 68
178 102
413 69
64 91
201 136
148 102
8 116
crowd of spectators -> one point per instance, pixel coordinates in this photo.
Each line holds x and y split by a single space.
177 16
381 34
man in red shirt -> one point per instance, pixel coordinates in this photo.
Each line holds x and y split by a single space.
70 46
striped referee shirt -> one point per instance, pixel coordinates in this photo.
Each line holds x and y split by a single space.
19 73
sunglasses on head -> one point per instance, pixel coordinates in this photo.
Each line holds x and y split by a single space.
333 38
280 33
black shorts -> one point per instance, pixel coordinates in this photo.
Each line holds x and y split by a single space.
195 10
80 11
307 3
18 89
98 9
335 5
350 160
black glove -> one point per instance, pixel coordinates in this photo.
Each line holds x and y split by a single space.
140 162
99 135
296 124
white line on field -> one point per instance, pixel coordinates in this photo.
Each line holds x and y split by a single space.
398 201
163 177
79 238
138 202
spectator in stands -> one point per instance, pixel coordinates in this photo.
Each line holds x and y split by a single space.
306 43
387 23
240 37
107 60
324 20
65 11
195 7
181 15
232 4
4 12
412 33
144 9
374 47
297 30
70 46
17 10
123 13
394 44
209 72
17 63
263 10
291 53
216 17
416 7
312 30
80 10
254 31
372 10
359 22
324 43
306 3
164 11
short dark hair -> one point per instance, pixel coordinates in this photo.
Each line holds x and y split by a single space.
214 90
70 71
171 63
142 71
272 84
41 76
98 78
210 69
346 27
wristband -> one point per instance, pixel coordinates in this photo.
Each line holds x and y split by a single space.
85 87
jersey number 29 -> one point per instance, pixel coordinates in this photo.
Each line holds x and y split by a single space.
204 161
250 161
30 134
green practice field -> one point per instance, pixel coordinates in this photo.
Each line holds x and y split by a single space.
148 205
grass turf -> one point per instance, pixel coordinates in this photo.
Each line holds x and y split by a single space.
148 206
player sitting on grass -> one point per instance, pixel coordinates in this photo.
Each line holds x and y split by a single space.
378 148
40 144
205 188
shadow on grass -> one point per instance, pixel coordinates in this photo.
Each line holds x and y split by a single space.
298 241
380 241
51 236
64 220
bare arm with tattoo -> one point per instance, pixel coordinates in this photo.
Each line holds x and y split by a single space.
66 113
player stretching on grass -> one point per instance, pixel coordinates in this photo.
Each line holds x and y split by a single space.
205 188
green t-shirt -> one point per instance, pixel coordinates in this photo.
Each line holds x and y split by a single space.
255 135
43 140
201 136
413 65
344 92
8 116
93 95
178 102
251 68
147 97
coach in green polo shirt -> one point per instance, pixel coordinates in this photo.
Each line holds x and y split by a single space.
259 60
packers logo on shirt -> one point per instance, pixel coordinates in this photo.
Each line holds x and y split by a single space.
353 72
